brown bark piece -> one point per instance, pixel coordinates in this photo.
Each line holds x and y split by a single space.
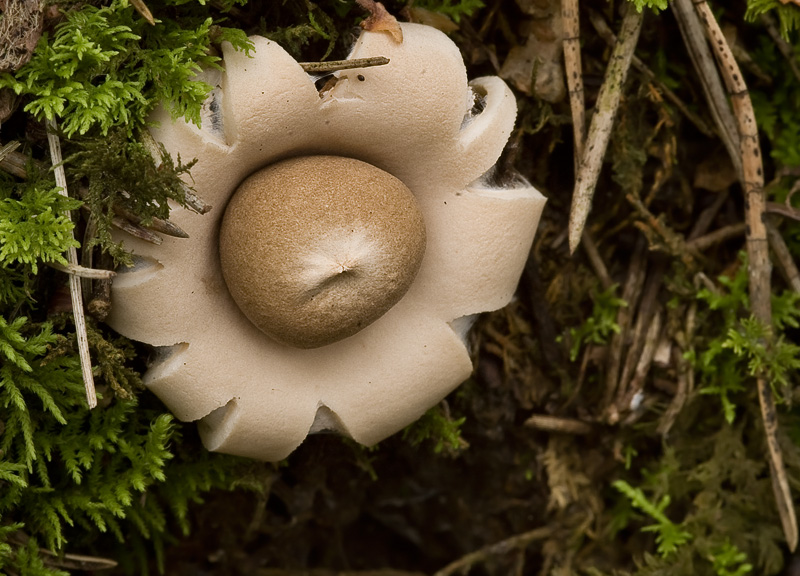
379 20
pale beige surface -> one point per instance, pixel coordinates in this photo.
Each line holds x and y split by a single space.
256 397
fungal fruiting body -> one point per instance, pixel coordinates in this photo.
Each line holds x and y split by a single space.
352 234
316 248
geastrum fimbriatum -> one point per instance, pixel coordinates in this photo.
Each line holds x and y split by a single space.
354 237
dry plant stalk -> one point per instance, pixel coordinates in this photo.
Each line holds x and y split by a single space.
336 65
759 266
608 35
694 39
558 424
631 292
574 73
517 542
785 48
74 280
600 129
783 256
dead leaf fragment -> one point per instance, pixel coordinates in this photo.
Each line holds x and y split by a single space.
379 20
535 67
791 2
20 29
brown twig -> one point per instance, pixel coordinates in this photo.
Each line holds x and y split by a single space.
630 294
82 271
685 383
759 267
517 542
783 210
717 236
558 424
336 65
608 35
574 73
600 128
695 40
703 222
644 321
74 281
596 260
783 256
783 46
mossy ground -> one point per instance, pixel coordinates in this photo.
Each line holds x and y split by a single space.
659 470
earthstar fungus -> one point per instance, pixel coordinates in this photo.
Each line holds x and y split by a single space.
431 243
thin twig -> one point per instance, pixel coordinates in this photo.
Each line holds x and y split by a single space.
574 73
336 65
644 321
600 129
783 210
520 541
608 35
703 222
596 260
83 272
759 267
634 388
783 256
74 281
558 424
717 236
630 294
695 40
156 224
785 48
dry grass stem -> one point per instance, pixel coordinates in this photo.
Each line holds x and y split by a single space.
641 332
574 73
714 238
783 257
608 35
783 46
704 221
651 341
137 231
82 271
600 128
695 40
336 65
517 542
783 210
156 224
759 266
631 292
74 281
557 424
596 261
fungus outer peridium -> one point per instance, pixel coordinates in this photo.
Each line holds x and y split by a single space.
316 248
